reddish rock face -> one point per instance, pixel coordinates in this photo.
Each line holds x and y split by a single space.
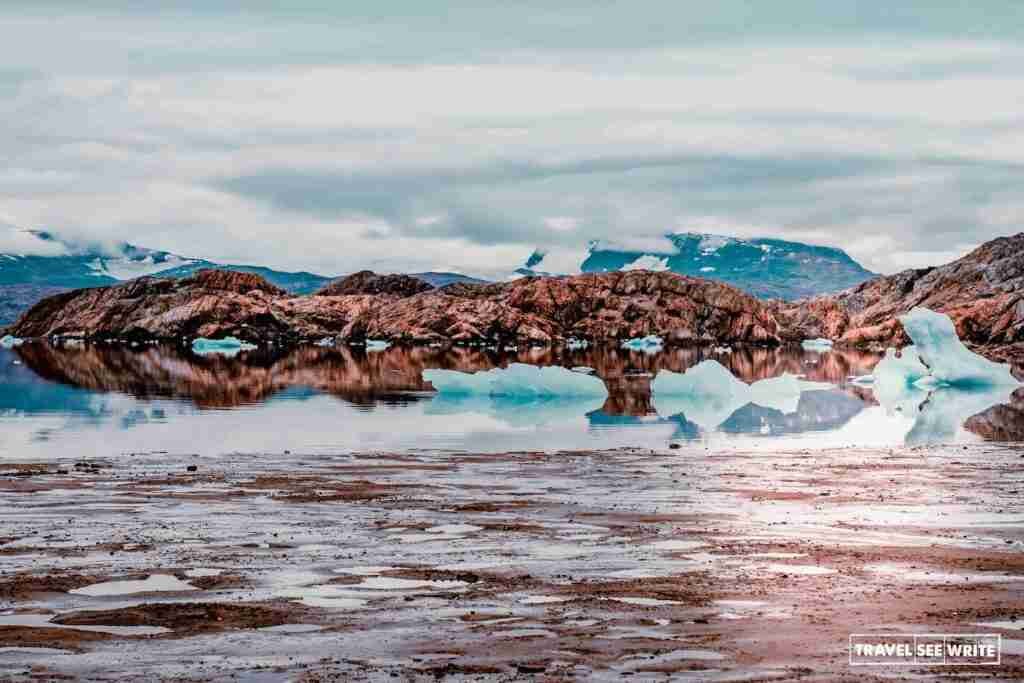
595 306
368 282
982 292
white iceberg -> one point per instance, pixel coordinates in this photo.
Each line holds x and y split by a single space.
708 394
377 345
228 346
938 380
948 360
820 344
517 380
573 344
652 343
326 341
9 342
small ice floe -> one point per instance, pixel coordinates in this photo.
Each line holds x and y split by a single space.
821 344
326 341
708 394
650 344
228 346
154 583
583 369
9 342
722 350
573 344
862 380
377 345
517 380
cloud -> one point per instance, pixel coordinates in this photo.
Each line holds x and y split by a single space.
333 136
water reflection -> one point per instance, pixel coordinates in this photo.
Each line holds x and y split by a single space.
171 398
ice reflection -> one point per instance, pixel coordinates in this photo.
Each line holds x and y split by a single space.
96 401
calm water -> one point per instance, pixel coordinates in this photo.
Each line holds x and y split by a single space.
60 403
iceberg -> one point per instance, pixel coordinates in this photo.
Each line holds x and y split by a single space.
708 394
228 346
649 344
377 345
326 341
518 380
9 342
938 379
819 344
573 344
948 360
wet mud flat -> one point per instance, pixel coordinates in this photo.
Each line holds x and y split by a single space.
686 563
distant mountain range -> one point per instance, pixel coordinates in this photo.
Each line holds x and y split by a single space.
766 268
25 278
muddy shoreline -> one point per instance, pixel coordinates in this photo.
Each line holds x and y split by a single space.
679 563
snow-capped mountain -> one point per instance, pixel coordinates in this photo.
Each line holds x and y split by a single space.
766 268
36 263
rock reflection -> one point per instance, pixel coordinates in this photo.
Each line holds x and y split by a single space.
393 375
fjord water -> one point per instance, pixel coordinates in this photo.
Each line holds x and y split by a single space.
65 403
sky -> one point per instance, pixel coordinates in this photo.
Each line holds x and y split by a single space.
333 136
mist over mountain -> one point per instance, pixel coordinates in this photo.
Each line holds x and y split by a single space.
767 268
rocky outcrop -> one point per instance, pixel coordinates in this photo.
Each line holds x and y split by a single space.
983 293
368 282
605 306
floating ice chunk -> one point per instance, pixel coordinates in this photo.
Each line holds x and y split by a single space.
649 344
942 415
377 344
722 349
708 394
572 343
819 344
228 346
781 393
326 341
948 360
584 369
9 342
517 380
896 380
862 380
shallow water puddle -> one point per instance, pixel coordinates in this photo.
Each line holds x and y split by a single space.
43 621
908 574
676 544
154 583
544 600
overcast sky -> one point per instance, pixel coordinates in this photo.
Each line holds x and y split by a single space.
456 135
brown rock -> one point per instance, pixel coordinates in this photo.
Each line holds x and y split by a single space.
606 306
368 282
983 293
